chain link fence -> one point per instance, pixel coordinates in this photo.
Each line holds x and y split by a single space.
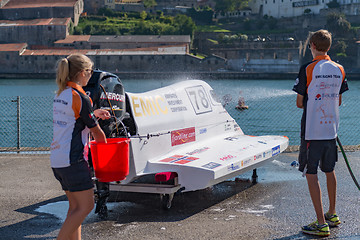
26 122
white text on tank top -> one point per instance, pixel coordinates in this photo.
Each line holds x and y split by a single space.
322 113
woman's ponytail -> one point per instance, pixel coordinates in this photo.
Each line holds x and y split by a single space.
62 74
69 67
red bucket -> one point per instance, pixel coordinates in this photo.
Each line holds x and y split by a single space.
111 159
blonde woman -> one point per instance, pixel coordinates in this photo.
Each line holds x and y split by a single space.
73 120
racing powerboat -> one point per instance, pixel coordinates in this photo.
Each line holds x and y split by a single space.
180 135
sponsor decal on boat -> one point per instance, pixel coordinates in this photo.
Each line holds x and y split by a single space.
276 150
227 127
233 167
203 130
113 96
227 157
246 147
176 104
199 99
231 138
267 154
148 106
257 157
197 151
247 161
179 159
211 165
182 136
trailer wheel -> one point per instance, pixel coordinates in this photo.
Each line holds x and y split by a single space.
166 200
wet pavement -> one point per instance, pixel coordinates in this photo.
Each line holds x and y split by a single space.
33 205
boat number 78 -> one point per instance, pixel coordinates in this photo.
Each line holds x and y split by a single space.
198 99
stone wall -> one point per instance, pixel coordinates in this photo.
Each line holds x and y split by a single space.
44 12
133 7
33 34
264 65
126 45
93 6
27 63
9 61
263 53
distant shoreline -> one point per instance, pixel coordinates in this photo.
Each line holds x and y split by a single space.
182 75
165 75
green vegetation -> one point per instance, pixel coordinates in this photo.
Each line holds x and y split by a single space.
202 56
333 4
307 11
110 22
213 41
211 28
341 55
338 25
116 23
230 39
224 6
201 16
149 3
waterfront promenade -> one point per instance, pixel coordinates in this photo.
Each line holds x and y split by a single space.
186 75
33 206
167 75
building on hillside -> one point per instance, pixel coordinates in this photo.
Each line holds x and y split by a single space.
234 14
168 6
350 8
74 41
293 8
130 7
93 6
33 9
125 5
17 59
286 8
209 3
9 55
174 3
34 32
123 41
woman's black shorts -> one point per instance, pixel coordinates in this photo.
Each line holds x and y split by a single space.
75 178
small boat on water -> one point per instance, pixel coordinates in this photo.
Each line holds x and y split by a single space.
241 104
243 107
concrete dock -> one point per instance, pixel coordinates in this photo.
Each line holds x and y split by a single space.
33 205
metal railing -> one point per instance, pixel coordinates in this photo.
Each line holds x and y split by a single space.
26 122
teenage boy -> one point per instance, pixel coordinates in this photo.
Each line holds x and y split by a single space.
319 86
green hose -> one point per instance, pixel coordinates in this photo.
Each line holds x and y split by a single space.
347 163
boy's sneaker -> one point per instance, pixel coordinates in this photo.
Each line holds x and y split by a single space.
332 219
316 229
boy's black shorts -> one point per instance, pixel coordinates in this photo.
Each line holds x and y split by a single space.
75 178
315 152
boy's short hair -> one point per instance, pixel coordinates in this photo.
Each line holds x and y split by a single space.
321 39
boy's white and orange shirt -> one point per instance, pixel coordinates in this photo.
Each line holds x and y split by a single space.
321 82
